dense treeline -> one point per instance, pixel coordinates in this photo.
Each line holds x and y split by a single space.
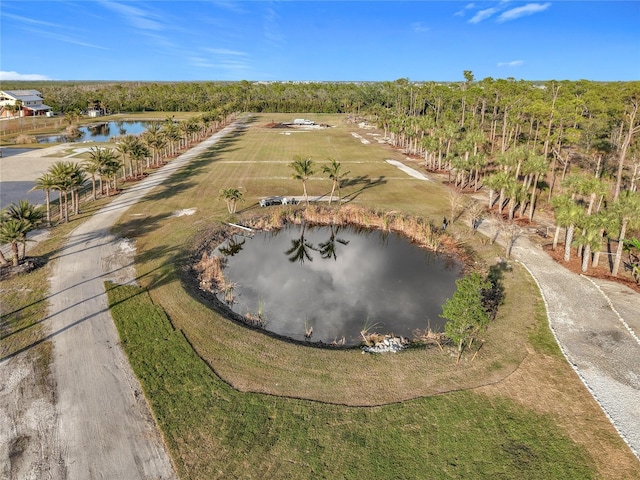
573 144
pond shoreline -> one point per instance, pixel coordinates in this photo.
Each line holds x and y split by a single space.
417 231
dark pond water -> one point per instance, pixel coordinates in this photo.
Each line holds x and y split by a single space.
10 151
338 281
99 132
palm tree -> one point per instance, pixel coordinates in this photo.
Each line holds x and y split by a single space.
537 167
61 176
333 172
231 196
515 192
627 210
93 167
125 147
109 168
18 220
46 182
568 215
12 231
303 169
68 177
172 134
588 240
138 153
153 138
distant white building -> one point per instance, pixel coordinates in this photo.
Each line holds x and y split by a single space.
22 103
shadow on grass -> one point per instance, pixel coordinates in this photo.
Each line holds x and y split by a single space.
364 182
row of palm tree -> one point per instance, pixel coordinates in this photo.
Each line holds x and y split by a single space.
303 168
587 226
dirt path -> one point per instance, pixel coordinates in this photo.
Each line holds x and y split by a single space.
101 426
597 325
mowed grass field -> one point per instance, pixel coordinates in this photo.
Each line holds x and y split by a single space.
236 403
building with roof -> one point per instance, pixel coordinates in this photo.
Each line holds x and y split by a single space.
22 103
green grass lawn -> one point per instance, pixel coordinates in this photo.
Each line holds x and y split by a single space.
235 403
214 431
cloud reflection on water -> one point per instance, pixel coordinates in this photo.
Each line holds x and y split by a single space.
375 278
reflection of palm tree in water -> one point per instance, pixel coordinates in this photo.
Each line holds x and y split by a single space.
328 249
232 247
300 247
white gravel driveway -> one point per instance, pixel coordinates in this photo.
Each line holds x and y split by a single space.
597 324
104 424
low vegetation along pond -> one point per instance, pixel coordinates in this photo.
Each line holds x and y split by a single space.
332 285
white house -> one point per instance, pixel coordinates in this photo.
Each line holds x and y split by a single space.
22 103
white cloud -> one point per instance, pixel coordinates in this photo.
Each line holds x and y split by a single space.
483 14
6 76
461 13
225 51
418 27
27 20
513 63
528 9
137 17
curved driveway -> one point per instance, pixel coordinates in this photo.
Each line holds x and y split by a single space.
104 426
597 325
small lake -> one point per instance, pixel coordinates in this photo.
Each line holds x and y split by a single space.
338 281
99 132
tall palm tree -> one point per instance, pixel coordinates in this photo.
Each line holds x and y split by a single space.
568 214
231 196
588 240
93 167
172 134
124 146
68 177
60 172
46 182
535 166
302 170
333 171
110 167
138 153
153 138
627 210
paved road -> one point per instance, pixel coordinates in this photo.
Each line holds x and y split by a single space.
597 325
18 174
104 424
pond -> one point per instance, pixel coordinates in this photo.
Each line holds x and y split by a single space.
99 132
337 281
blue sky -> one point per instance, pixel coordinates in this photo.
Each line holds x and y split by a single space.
166 40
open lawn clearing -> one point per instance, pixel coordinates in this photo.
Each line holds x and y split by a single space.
214 431
254 362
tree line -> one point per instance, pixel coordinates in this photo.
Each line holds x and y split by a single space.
572 145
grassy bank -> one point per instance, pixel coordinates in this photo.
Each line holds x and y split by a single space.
215 431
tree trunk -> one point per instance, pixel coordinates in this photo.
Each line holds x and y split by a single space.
567 242
618 257
586 256
625 145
